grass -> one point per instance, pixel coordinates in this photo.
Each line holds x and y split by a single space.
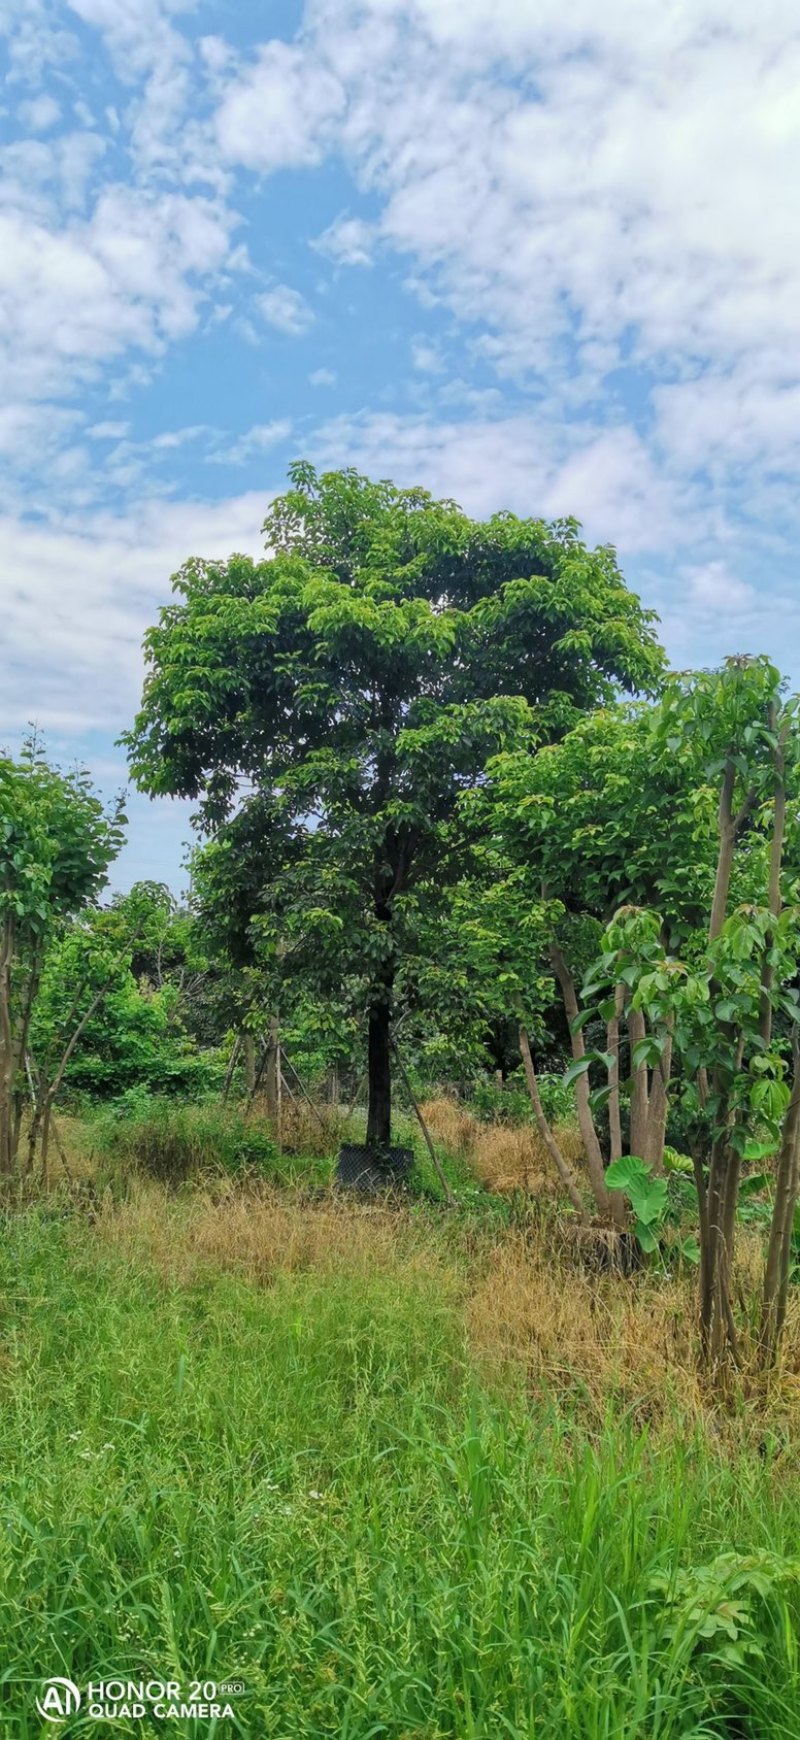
403 1475
503 1156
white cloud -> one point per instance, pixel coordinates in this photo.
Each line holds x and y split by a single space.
79 594
527 463
587 187
39 113
257 440
279 112
713 588
349 241
426 357
285 309
78 294
323 378
138 32
108 431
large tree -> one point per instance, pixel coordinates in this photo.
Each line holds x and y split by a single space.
348 688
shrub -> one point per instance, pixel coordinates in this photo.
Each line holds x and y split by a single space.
173 1141
508 1102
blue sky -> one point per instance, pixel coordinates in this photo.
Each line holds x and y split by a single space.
533 256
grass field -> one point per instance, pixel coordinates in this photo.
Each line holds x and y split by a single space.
388 1470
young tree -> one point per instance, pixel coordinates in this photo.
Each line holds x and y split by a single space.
56 844
128 981
727 995
606 817
354 683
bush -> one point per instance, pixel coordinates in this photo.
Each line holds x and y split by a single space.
509 1102
173 1141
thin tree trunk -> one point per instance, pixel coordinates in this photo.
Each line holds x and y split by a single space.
657 1110
607 1204
718 1335
272 1072
20 1049
249 1048
786 1252
640 1093
6 1051
448 1194
709 1250
717 1328
303 1089
775 865
561 1165
232 1062
778 1259
612 1046
727 842
54 1087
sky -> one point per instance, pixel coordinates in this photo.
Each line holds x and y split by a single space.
534 256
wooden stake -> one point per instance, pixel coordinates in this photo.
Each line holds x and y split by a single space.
449 1197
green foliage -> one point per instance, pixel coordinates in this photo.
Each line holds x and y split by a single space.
137 1039
646 1194
56 844
510 1102
360 678
137 954
171 1141
720 1607
608 817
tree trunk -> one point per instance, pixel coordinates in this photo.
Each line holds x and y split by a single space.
612 1047
655 1129
727 843
379 1062
544 1129
6 1051
20 1049
775 866
718 1336
779 1249
272 1073
249 1047
608 1203
640 1096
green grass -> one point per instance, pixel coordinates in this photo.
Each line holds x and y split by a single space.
173 1140
305 1488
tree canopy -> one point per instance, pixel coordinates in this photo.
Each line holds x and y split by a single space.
353 684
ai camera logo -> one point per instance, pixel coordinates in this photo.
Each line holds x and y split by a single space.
59 1698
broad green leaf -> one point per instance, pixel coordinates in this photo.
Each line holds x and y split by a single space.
576 1069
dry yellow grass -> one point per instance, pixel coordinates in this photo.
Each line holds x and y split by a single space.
310 1130
608 1339
258 1232
532 1315
503 1157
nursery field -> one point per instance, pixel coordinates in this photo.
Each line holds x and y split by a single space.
400 1257
389 1470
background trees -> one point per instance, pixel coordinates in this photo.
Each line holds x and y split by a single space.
56 844
345 691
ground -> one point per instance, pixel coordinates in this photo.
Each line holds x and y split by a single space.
395 1472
